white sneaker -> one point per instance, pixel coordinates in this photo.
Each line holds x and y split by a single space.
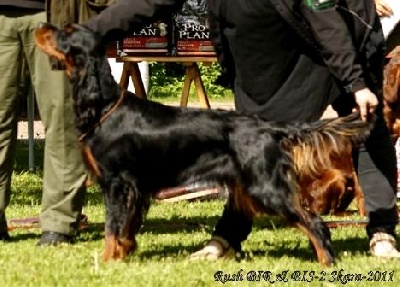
215 249
383 245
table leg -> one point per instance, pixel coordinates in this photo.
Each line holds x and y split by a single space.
131 69
124 81
192 74
137 81
201 91
189 75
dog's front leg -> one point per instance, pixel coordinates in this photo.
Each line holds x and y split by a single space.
123 219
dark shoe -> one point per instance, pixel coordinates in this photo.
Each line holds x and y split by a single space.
54 239
4 236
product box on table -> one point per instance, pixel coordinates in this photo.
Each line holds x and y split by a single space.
150 38
192 32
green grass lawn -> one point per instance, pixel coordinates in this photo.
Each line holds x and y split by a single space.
170 233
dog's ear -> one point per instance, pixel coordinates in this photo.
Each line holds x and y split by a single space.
46 40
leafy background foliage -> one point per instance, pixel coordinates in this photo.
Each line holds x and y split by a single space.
166 80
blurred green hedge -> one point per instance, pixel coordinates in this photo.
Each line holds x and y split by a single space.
166 81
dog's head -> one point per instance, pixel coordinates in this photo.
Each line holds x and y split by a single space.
83 57
72 46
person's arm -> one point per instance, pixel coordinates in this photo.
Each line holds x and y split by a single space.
340 55
119 19
338 51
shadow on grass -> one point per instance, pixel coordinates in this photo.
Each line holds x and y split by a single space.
178 224
350 245
355 244
342 247
24 236
285 248
195 224
91 232
175 225
169 251
278 251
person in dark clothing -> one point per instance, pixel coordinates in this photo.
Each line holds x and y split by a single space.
64 170
287 61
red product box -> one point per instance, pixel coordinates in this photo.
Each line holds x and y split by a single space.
195 46
153 37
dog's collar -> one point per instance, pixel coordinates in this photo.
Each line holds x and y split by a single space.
104 117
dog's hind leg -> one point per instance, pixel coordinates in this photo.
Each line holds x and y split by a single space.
359 195
316 230
288 207
318 233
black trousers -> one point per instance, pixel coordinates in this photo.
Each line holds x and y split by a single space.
375 162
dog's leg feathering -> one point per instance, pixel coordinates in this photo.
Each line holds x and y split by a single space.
311 224
317 231
124 217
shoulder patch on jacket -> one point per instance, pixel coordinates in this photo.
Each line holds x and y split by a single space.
320 4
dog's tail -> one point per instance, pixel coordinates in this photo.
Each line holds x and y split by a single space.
350 127
313 145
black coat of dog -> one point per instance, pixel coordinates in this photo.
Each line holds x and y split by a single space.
137 147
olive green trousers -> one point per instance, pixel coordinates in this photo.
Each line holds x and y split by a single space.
64 171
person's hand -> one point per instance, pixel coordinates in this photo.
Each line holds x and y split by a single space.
383 9
366 103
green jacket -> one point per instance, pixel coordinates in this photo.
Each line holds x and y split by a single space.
61 12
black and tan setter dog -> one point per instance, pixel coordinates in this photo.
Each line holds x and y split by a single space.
136 147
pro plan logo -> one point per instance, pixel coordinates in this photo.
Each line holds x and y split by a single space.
192 31
191 21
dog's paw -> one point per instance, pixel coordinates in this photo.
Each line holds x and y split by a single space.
118 249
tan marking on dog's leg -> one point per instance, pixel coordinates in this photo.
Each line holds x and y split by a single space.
321 254
128 246
118 249
359 196
110 250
